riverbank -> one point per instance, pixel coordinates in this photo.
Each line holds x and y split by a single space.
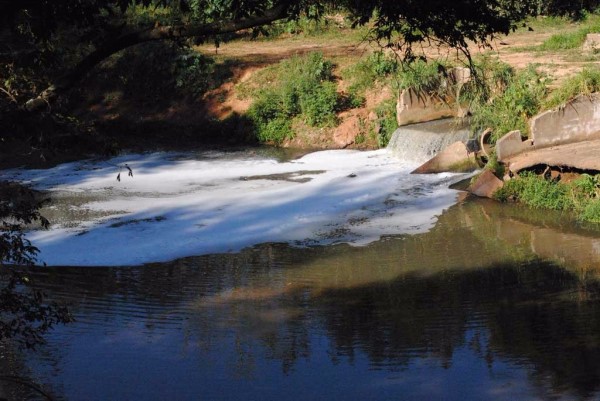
128 105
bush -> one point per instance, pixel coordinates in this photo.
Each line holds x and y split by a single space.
318 105
386 118
591 211
376 68
302 87
511 108
148 72
26 312
424 77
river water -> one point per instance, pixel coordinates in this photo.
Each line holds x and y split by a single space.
467 300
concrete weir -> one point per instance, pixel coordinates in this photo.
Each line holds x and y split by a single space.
421 142
568 136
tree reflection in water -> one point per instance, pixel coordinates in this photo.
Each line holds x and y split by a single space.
490 291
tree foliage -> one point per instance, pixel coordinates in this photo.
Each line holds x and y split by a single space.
25 313
73 36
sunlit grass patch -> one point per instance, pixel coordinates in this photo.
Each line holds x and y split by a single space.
581 196
585 82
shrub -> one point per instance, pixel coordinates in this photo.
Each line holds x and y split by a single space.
376 68
148 71
511 108
276 131
302 88
318 105
386 118
424 77
591 212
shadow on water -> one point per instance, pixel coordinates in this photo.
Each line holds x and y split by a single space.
494 302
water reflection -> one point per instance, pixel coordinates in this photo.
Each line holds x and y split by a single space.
494 303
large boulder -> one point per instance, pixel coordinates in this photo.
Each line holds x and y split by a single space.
345 134
453 158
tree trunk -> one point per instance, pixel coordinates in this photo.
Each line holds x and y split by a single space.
173 32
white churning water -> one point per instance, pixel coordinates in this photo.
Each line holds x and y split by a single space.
179 204
420 142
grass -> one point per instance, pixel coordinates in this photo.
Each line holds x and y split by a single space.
424 77
371 71
585 82
564 41
507 101
571 39
300 87
546 23
386 119
581 196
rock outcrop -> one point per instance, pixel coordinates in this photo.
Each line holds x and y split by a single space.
345 134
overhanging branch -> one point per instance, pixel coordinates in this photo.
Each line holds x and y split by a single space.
172 32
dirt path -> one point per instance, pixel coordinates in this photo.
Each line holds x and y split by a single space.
516 49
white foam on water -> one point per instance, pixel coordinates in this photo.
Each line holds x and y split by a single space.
179 205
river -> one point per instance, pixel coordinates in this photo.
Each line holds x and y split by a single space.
411 292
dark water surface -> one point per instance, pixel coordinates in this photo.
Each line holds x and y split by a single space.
494 303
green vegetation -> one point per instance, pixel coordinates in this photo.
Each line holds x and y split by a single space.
571 39
585 82
581 196
508 101
175 70
314 23
424 77
25 313
564 41
373 71
386 119
302 88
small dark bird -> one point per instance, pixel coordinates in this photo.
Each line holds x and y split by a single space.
530 29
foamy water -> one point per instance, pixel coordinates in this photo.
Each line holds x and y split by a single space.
178 205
